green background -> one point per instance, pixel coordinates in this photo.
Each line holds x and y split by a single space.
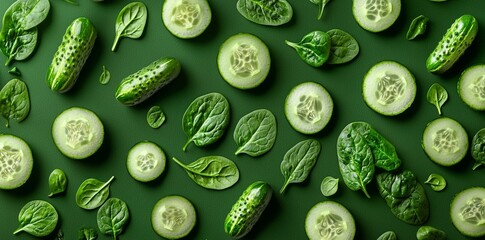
284 218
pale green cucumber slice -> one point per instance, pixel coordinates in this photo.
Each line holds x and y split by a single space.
445 141
329 220
77 132
146 161
186 18
244 61
471 87
467 212
173 217
15 161
308 107
376 15
389 88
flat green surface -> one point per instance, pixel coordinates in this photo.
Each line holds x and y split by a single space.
284 217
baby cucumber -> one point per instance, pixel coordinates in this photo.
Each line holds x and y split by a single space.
453 44
71 55
142 84
247 210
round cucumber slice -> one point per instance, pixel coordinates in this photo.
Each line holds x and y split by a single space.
389 88
146 161
329 220
376 15
15 162
471 87
173 217
186 18
77 132
244 61
308 107
466 211
445 141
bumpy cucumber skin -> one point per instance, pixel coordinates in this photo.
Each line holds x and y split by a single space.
139 86
247 209
71 55
453 44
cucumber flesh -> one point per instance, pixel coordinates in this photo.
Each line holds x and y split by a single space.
467 212
15 162
308 107
376 15
389 88
329 220
445 141
244 61
77 132
146 161
471 87
173 217
186 18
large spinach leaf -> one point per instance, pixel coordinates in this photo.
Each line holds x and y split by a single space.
130 22
313 48
255 133
299 161
206 119
29 13
92 193
405 196
112 217
212 172
266 12
38 218
385 155
14 101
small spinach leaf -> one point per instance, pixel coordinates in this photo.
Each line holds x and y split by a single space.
130 22
57 182
112 217
38 218
329 186
212 172
14 101
478 148
155 117
343 47
430 233
14 71
436 181
321 6
105 76
255 133
389 235
417 27
266 12
313 48
87 234
437 95
92 193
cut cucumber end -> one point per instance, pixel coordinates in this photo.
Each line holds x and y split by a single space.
471 87
146 161
244 61
376 16
329 220
445 141
15 162
389 88
186 18
173 217
466 211
77 132
308 107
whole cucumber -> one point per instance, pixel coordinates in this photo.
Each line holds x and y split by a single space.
247 209
453 44
71 55
145 82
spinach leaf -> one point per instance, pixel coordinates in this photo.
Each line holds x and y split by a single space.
130 22
478 148
355 158
389 235
266 12
206 119
14 71
87 234
321 6
343 47
57 182
105 76
299 161
430 233
385 155
437 95
313 48
417 27
92 193
14 101
405 196
329 186
155 117
255 133
38 218
29 13
112 217
212 172
436 181
15 43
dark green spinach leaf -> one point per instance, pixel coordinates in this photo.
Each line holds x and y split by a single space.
436 181
14 101
255 133
14 71
92 193
417 27
343 47
437 95
87 234
389 235
38 218
430 233
57 182
385 155
130 22
313 48
478 148
321 6
113 217
266 12
15 43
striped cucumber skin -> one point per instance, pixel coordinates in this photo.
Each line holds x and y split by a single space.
453 44
71 55
247 210
142 84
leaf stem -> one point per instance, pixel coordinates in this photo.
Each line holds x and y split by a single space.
115 43
186 144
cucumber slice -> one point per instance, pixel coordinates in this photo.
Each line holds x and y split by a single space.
186 18
173 217
376 15
329 220
445 141
15 161
467 212
77 132
146 161
244 61
389 88
308 107
471 87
